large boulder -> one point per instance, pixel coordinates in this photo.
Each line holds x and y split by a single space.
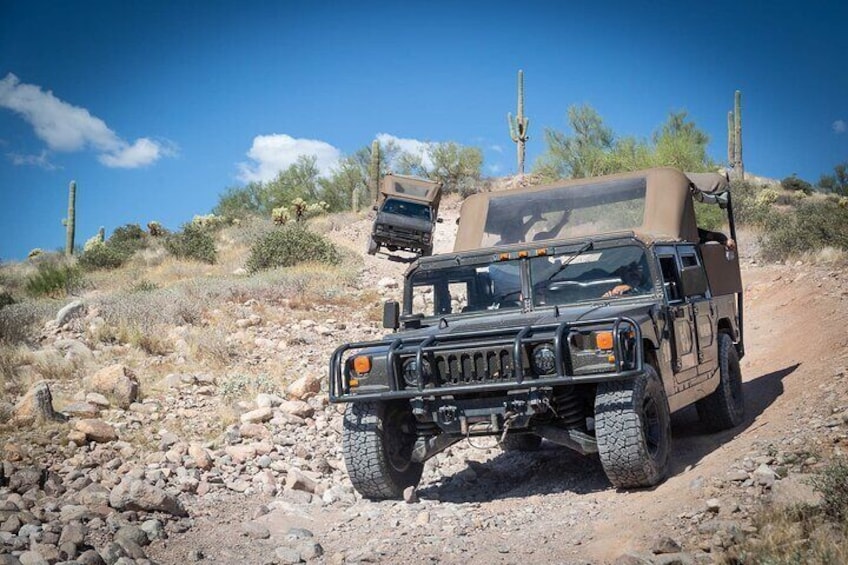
135 494
36 406
116 382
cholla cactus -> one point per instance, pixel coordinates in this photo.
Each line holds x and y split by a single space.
280 215
96 240
207 221
155 229
843 202
298 207
767 197
37 252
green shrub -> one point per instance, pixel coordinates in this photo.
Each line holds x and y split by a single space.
6 299
290 245
101 256
710 216
816 223
53 280
832 483
794 183
127 239
194 242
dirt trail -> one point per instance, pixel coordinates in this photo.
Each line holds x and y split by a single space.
481 505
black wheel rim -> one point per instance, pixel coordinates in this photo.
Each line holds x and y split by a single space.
398 441
652 426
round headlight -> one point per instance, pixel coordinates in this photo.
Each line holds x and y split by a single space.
544 359
410 371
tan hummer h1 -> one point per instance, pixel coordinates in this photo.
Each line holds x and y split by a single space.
583 312
407 212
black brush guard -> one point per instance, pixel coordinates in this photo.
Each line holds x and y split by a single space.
517 339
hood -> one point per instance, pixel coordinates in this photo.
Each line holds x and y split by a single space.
397 220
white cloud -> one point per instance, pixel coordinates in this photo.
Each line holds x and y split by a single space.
273 153
64 127
40 160
496 148
494 168
408 145
840 126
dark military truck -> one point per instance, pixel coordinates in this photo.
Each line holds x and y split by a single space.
584 313
407 212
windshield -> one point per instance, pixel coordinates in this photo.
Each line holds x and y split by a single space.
406 208
594 274
565 212
468 288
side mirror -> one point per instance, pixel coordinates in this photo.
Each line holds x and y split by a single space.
391 315
693 280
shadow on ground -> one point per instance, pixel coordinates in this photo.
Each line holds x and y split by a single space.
554 469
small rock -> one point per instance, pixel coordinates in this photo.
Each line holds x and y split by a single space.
297 408
304 387
387 283
256 416
287 556
410 496
134 494
96 430
255 531
665 544
713 505
73 310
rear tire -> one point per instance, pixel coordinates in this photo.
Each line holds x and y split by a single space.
377 443
725 407
633 430
373 246
521 442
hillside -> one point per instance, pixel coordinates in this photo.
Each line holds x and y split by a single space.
208 437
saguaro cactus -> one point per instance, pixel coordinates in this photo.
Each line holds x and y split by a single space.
734 137
374 171
70 221
519 125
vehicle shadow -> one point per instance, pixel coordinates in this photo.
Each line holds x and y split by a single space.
691 443
554 469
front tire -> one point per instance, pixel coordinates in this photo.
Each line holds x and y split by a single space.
377 442
725 407
633 430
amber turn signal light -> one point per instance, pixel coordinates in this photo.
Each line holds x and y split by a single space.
362 364
603 340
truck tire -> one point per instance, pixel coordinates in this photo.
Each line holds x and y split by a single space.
373 246
633 430
521 442
377 442
725 407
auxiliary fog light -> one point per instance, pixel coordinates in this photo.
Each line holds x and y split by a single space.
410 371
544 359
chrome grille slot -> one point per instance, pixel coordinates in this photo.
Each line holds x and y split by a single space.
482 365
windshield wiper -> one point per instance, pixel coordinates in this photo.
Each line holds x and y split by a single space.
589 245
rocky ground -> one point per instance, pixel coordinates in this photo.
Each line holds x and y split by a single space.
124 475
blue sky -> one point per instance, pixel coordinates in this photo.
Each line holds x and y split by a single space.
156 107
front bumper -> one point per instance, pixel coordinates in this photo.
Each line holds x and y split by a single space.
511 352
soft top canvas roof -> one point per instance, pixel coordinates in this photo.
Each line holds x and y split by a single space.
411 188
655 203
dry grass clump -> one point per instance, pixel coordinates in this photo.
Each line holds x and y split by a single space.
19 322
11 358
209 346
803 534
332 222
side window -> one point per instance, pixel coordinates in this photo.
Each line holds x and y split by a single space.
689 258
671 280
